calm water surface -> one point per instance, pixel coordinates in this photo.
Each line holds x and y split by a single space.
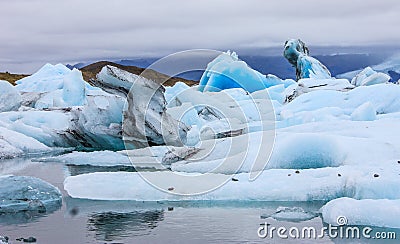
87 221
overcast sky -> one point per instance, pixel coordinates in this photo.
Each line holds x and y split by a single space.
38 31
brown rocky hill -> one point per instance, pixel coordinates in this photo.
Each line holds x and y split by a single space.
90 72
12 78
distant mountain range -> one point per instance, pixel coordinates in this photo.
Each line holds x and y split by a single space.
277 65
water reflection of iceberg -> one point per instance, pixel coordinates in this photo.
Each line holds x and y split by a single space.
111 226
22 217
73 170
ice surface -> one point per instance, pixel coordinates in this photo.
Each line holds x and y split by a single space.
369 212
365 112
309 84
10 99
384 98
24 193
306 150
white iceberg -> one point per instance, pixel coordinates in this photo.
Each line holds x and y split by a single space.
272 185
10 99
368 77
368 212
48 78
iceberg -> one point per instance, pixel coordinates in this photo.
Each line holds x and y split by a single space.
10 99
368 77
146 119
228 71
368 212
24 193
73 93
306 66
65 111
380 72
272 185
114 80
48 78
13 144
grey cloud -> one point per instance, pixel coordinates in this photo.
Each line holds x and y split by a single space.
39 31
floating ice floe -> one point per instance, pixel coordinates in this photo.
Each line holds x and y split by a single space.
292 214
368 212
24 193
272 185
96 158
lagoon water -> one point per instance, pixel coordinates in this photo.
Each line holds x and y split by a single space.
88 221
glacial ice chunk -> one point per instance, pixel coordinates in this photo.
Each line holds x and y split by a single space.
306 66
228 71
48 78
368 77
10 99
146 119
25 193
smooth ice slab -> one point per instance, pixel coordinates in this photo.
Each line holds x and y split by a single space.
272 185
369 212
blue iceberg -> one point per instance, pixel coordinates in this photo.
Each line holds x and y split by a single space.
228 71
